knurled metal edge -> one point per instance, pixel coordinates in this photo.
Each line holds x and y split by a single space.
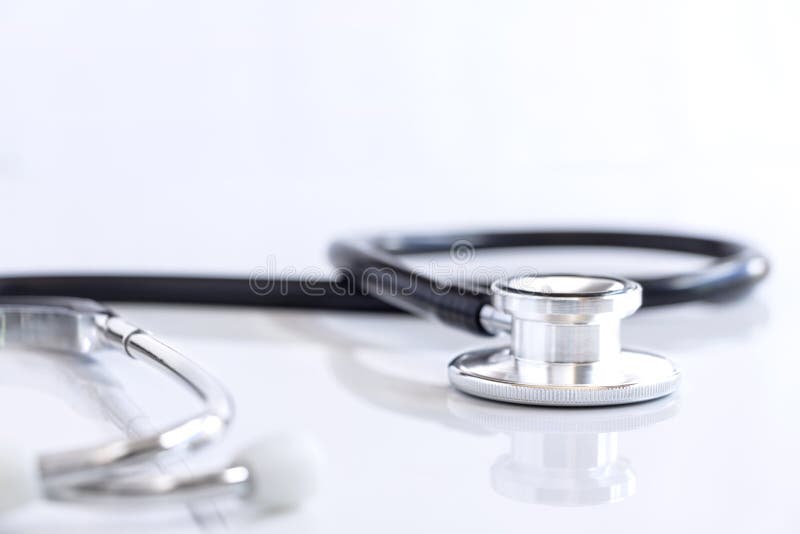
504 418
561 395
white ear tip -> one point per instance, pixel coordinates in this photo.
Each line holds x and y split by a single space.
283 468
19 476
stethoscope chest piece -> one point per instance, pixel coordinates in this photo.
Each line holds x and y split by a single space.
565 346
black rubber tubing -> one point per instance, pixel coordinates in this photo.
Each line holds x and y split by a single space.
733 270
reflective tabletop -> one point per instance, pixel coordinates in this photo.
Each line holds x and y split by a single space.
405 451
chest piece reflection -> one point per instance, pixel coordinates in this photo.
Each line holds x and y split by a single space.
562 457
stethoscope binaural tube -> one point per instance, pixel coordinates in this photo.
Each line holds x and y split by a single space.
275 471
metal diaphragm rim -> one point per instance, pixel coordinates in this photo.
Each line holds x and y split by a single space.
496 375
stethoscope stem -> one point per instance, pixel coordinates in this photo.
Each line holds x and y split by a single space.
494 321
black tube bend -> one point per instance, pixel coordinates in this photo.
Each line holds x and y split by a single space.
373 277
733 270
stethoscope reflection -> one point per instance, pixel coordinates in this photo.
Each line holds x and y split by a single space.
562 457
557 456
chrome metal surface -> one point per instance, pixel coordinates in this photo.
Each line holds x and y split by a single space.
200 429
494 321
496 374
58 325
160 489
565 346
48 328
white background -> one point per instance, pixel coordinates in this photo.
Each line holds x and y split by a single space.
212 136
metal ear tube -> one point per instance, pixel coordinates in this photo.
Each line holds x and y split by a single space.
565 346
277 471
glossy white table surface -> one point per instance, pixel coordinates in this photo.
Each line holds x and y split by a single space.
406 452
216 138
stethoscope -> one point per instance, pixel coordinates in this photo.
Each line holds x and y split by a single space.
564 348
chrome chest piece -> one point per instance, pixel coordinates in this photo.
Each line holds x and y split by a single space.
565 346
